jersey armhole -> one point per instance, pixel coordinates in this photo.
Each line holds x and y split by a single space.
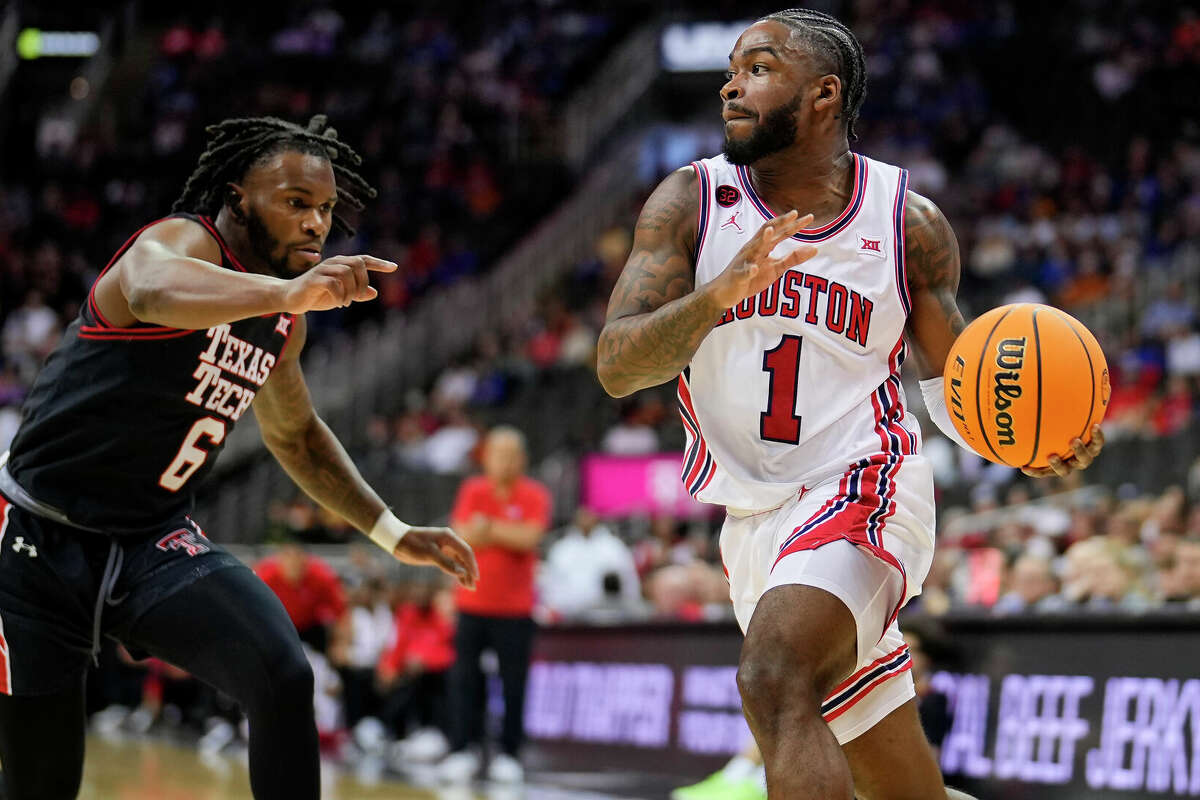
702 187
102 326
898 238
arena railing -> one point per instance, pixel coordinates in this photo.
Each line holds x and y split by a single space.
595 109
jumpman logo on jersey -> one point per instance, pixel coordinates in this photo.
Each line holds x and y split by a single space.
803 491
19 545
283 325
732 222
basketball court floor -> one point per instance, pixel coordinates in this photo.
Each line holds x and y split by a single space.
149 769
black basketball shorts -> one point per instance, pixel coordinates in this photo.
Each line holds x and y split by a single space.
62 588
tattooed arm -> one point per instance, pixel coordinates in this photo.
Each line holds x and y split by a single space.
932 266
657 318
313 457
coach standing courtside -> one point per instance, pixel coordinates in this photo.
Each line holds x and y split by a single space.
503 514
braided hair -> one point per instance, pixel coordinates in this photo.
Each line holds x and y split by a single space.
236 145
837 48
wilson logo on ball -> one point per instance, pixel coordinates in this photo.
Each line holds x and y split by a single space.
1023 381
1010 357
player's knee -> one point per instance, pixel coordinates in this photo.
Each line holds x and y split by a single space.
769 680
293 678
283 679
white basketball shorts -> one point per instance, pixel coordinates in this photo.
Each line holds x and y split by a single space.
867 538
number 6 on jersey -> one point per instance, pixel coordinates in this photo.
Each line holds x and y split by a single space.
190 457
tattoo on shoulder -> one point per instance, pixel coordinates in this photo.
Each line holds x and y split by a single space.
662 214
671 204
930 250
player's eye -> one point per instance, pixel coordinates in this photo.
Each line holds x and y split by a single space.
757 69
296 202
728 75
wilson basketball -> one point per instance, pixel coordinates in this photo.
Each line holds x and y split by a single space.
1022 381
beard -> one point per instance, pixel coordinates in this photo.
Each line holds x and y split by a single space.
265 246
775 131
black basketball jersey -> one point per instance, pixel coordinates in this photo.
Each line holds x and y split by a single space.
123 423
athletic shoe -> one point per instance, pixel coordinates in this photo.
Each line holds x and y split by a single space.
459 767
719 787
505 769
370 735
220 733
427 744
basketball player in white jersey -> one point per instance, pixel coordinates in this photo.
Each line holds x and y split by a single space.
787 331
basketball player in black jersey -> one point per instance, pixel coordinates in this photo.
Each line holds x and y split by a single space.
199 317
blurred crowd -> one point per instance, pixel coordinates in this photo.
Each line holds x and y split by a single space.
454 111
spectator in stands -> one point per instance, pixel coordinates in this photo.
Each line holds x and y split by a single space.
1114 583
503 515
362 637
412 672
634 434
309 589
581 564
30 333
448 449
1181 584
1030 582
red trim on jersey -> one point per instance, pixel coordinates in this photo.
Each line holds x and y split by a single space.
703 212
5 666
685 398
898 208
852 523
91 299
132 334
212 228
841 687
887 676
849 213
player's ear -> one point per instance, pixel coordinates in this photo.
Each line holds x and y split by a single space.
829 93
235 201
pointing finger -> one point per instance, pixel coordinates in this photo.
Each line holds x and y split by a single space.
378 264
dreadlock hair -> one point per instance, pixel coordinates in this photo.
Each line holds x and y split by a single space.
839 51
236 145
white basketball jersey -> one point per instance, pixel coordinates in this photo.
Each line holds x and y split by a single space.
798 383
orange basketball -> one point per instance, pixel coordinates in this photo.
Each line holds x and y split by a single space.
1022 381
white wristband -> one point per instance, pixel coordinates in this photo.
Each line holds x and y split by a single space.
388 531
933 390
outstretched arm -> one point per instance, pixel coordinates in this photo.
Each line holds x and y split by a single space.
171 276
657 318
309 452
933 269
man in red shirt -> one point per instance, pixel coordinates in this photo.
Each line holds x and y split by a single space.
309 589
504 516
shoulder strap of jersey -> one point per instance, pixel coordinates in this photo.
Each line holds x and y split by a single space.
94 321
704 188
898 239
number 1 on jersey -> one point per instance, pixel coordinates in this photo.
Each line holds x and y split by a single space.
780 423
